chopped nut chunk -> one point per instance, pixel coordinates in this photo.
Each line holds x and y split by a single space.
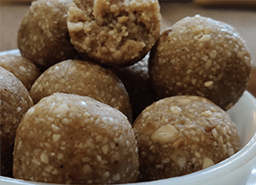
207 162
165 134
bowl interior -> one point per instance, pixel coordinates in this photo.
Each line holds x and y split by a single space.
243 114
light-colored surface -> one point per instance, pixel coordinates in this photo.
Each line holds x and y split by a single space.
10 18
243 19
18 1
226 2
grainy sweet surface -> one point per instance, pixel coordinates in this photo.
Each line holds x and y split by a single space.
138 84
14 102
83 78
183 134
43 36
114 33
26 71
201 56
75 139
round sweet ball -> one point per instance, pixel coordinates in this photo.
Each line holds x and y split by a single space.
72 139
114 33
201 56
26 71
15 101
43 35
138 85
86 79
183 134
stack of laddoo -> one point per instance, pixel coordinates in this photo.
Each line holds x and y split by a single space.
100 96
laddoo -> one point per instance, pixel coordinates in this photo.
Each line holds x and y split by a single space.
72 139
43 36
114 33
138 85
26 71
14 103
201 56
83 78
179 135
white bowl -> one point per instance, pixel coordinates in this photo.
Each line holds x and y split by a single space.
235 170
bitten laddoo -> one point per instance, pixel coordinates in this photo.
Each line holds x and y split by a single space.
86 79
43 35
26 71
201 56
72 139
183 134
114 33
14 101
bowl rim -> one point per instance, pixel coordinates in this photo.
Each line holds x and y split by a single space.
10 52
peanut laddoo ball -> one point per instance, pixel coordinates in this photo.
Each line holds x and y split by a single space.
182 134
201 56
72 139
86 79
14 101
138 85
114 33
26 71
43 35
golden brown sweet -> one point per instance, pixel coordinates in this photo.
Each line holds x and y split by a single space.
83 78
43 36
183 134
201 56
114 33
138 85
14 103
26 71
72 139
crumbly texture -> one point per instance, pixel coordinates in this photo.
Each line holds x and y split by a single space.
86 79
26 71
201 56
183 134
43 35
138 85
114 33
14 103
72 139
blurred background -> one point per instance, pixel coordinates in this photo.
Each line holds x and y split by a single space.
239 14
